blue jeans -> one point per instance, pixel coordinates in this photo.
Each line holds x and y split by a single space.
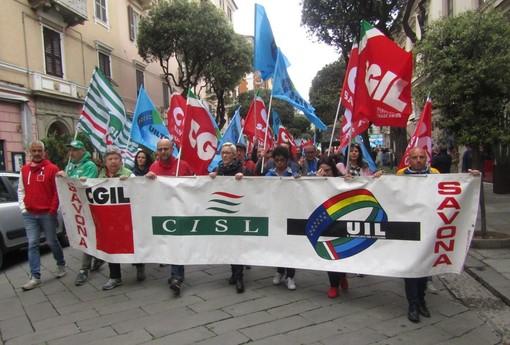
177 271
34 226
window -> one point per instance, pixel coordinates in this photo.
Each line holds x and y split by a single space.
101 11
166 95
139 80
104 64
450 8
52 53
134 19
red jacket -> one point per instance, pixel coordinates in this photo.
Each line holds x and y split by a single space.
37 189
170 168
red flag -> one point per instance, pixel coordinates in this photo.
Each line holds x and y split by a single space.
255 125
357 127
284 136
349 85
383 80
422 136
199 140
176 117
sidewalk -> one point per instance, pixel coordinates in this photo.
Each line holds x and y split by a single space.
491 267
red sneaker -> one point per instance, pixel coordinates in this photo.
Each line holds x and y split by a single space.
344 284
333 292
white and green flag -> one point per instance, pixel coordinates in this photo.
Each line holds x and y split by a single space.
103 118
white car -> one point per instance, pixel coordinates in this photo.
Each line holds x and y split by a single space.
12 229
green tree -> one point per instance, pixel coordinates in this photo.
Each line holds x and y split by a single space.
464 62
325 90
337 22
198 37
225 72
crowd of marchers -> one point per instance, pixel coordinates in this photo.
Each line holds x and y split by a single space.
39 203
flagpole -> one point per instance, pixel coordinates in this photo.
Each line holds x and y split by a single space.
334 125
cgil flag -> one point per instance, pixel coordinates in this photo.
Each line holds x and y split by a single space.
147 127
199 139
383 80
175 116
284 89
422 136
103 118
256 124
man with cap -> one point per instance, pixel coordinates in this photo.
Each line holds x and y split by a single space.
81 165
241 156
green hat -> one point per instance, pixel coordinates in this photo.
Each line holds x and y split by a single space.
77 144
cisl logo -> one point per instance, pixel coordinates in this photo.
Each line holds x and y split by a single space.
226 205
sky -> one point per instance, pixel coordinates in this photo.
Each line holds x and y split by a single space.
306 56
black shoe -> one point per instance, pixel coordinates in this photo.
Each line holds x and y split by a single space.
239 285
247 267
140 273
232 279
175 285
423 309
414 313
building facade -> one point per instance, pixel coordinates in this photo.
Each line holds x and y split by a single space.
48 53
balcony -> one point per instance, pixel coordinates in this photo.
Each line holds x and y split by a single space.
71 12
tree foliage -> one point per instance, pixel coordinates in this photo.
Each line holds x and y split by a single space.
325 90
337 22
464 62
198 37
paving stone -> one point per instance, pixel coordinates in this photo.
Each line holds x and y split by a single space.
61 320
85 337
232 338
40 311
315 333
275 327
231 324
40 337
110 319
189 336
15 327
11 307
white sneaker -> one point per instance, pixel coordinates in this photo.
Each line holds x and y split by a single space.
291 284
33 282
431 288
278 277
61 271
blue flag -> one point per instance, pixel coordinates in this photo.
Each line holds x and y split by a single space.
367 157
283 88
265 48
276 124
147 127
233 132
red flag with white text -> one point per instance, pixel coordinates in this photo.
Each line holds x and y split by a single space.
383 80
256 125
422 136
199 140
176 117
356 128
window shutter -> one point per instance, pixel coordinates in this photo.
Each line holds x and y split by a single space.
52 53
131 24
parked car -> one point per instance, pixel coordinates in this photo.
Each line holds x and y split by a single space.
12 229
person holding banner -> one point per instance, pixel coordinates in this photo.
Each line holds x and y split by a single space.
81 165
281 157
309 161
231 166
356 165
415 287
113 168
167 165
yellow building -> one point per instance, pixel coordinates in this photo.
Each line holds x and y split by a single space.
48 52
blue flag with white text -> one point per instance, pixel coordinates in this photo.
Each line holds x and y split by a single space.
284 89
147 126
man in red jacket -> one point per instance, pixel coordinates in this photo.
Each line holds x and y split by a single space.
38 200
167 165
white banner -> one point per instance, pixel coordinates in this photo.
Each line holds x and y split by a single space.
399 226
